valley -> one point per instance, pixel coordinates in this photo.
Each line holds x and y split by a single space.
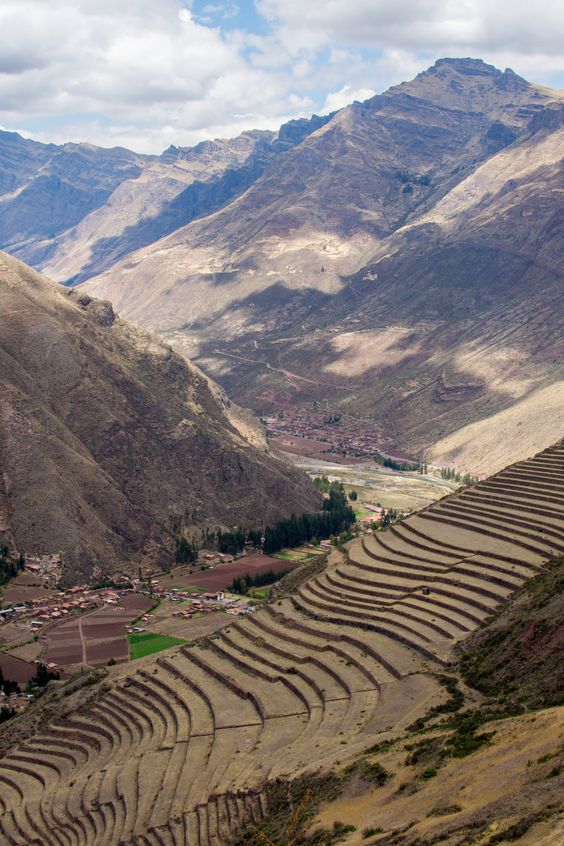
362 270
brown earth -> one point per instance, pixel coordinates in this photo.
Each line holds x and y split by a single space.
15 594
124 438
16 669
470 798
311 448
220 577
92 639
165 623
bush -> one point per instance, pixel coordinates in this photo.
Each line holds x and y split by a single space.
444 810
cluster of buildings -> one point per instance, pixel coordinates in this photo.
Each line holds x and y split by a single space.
342 436
206 603
38 611
17 701
376 515
47 567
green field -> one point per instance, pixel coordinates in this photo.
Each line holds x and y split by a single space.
360 512
289 555
146 643
260 592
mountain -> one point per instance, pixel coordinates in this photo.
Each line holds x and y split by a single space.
402 262
399 260
78 223
111 444
46 188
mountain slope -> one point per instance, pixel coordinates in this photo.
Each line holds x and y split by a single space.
45 188
110 443
70 221
404 260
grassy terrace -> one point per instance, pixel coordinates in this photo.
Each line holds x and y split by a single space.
147 643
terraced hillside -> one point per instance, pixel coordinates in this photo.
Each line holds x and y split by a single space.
178 749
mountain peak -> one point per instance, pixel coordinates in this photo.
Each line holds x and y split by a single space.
476 68
466 84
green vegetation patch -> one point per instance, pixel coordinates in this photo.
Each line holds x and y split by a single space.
289 555
147 643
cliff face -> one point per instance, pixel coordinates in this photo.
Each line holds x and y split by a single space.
110 441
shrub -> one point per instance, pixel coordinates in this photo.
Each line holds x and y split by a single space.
371 831
444 810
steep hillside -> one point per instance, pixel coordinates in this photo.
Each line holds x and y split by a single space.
45 188
392 263
483 769
350 673
111 443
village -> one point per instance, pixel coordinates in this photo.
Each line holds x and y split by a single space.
323 433
40 606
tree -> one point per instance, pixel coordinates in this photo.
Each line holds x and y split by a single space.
43 676
353 496
186 551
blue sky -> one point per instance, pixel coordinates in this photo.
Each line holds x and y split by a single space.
149 73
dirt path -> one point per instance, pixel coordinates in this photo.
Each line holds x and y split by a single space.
287 374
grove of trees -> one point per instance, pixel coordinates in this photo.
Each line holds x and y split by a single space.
335 517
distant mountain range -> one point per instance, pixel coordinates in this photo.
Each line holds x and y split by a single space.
111 444
400 260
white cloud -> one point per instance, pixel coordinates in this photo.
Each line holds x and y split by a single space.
147 73
337 99
135 72
421 24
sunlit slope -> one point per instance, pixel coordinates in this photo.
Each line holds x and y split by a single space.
404 260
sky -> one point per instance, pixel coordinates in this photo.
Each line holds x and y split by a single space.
145 74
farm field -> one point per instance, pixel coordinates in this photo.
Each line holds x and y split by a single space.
16 669
147 643
294 556
180 748
93 638
12 634
312 449
28 651
16 593
220 577
402 491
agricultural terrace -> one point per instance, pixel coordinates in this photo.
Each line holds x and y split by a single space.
179 748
